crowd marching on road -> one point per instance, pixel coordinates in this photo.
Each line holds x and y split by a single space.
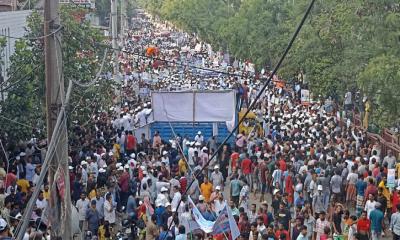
308 176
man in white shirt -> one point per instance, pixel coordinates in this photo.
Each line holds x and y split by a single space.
109 210
370 204
199 138
176 198
82 205
390 160
41 203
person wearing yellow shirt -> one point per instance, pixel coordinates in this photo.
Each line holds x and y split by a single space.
104 232
182 165
385 192
46 192
23 184
116 150
398 169
206 189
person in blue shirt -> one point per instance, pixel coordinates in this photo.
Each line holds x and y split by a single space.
181 235
159 213
300 200
131 206
377 225
235 189
361 185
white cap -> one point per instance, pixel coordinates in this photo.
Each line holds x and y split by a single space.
164 189
167 204
126 166
105 165
199 132
118 165
164 153
205 148
143 168
140 202
218 188
83 163
275 191
197 144
144 172
110 154
319 188
88 158
120 169
216 167
22 154
102 170
70 167
201 198
132 155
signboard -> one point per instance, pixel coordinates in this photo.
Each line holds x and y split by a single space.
391 178
305 96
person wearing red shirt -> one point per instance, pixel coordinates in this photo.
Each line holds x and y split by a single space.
246 168
281 231
371 188
363 226
246 165
282 165
234 160
183 183
124 186
130 143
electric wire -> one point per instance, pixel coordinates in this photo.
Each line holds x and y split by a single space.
13 84
91 83
289 46
34 38
19 123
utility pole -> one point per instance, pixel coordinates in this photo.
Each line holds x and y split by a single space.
59 206
114 35
123 20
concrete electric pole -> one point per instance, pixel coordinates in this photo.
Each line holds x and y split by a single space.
123 20
59 204
114 35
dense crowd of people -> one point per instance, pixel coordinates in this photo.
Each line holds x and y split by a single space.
309 176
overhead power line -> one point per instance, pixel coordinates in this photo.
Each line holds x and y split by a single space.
34 38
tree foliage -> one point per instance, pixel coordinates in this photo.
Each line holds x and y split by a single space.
81 55
344 45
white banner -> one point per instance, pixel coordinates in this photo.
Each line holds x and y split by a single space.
205 225
199 106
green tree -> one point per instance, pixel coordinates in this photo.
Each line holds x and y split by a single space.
81 54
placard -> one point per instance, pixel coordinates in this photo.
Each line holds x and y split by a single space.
391 178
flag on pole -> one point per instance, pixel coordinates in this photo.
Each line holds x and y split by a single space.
205 225
226 222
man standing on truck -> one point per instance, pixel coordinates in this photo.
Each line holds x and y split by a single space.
199 138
